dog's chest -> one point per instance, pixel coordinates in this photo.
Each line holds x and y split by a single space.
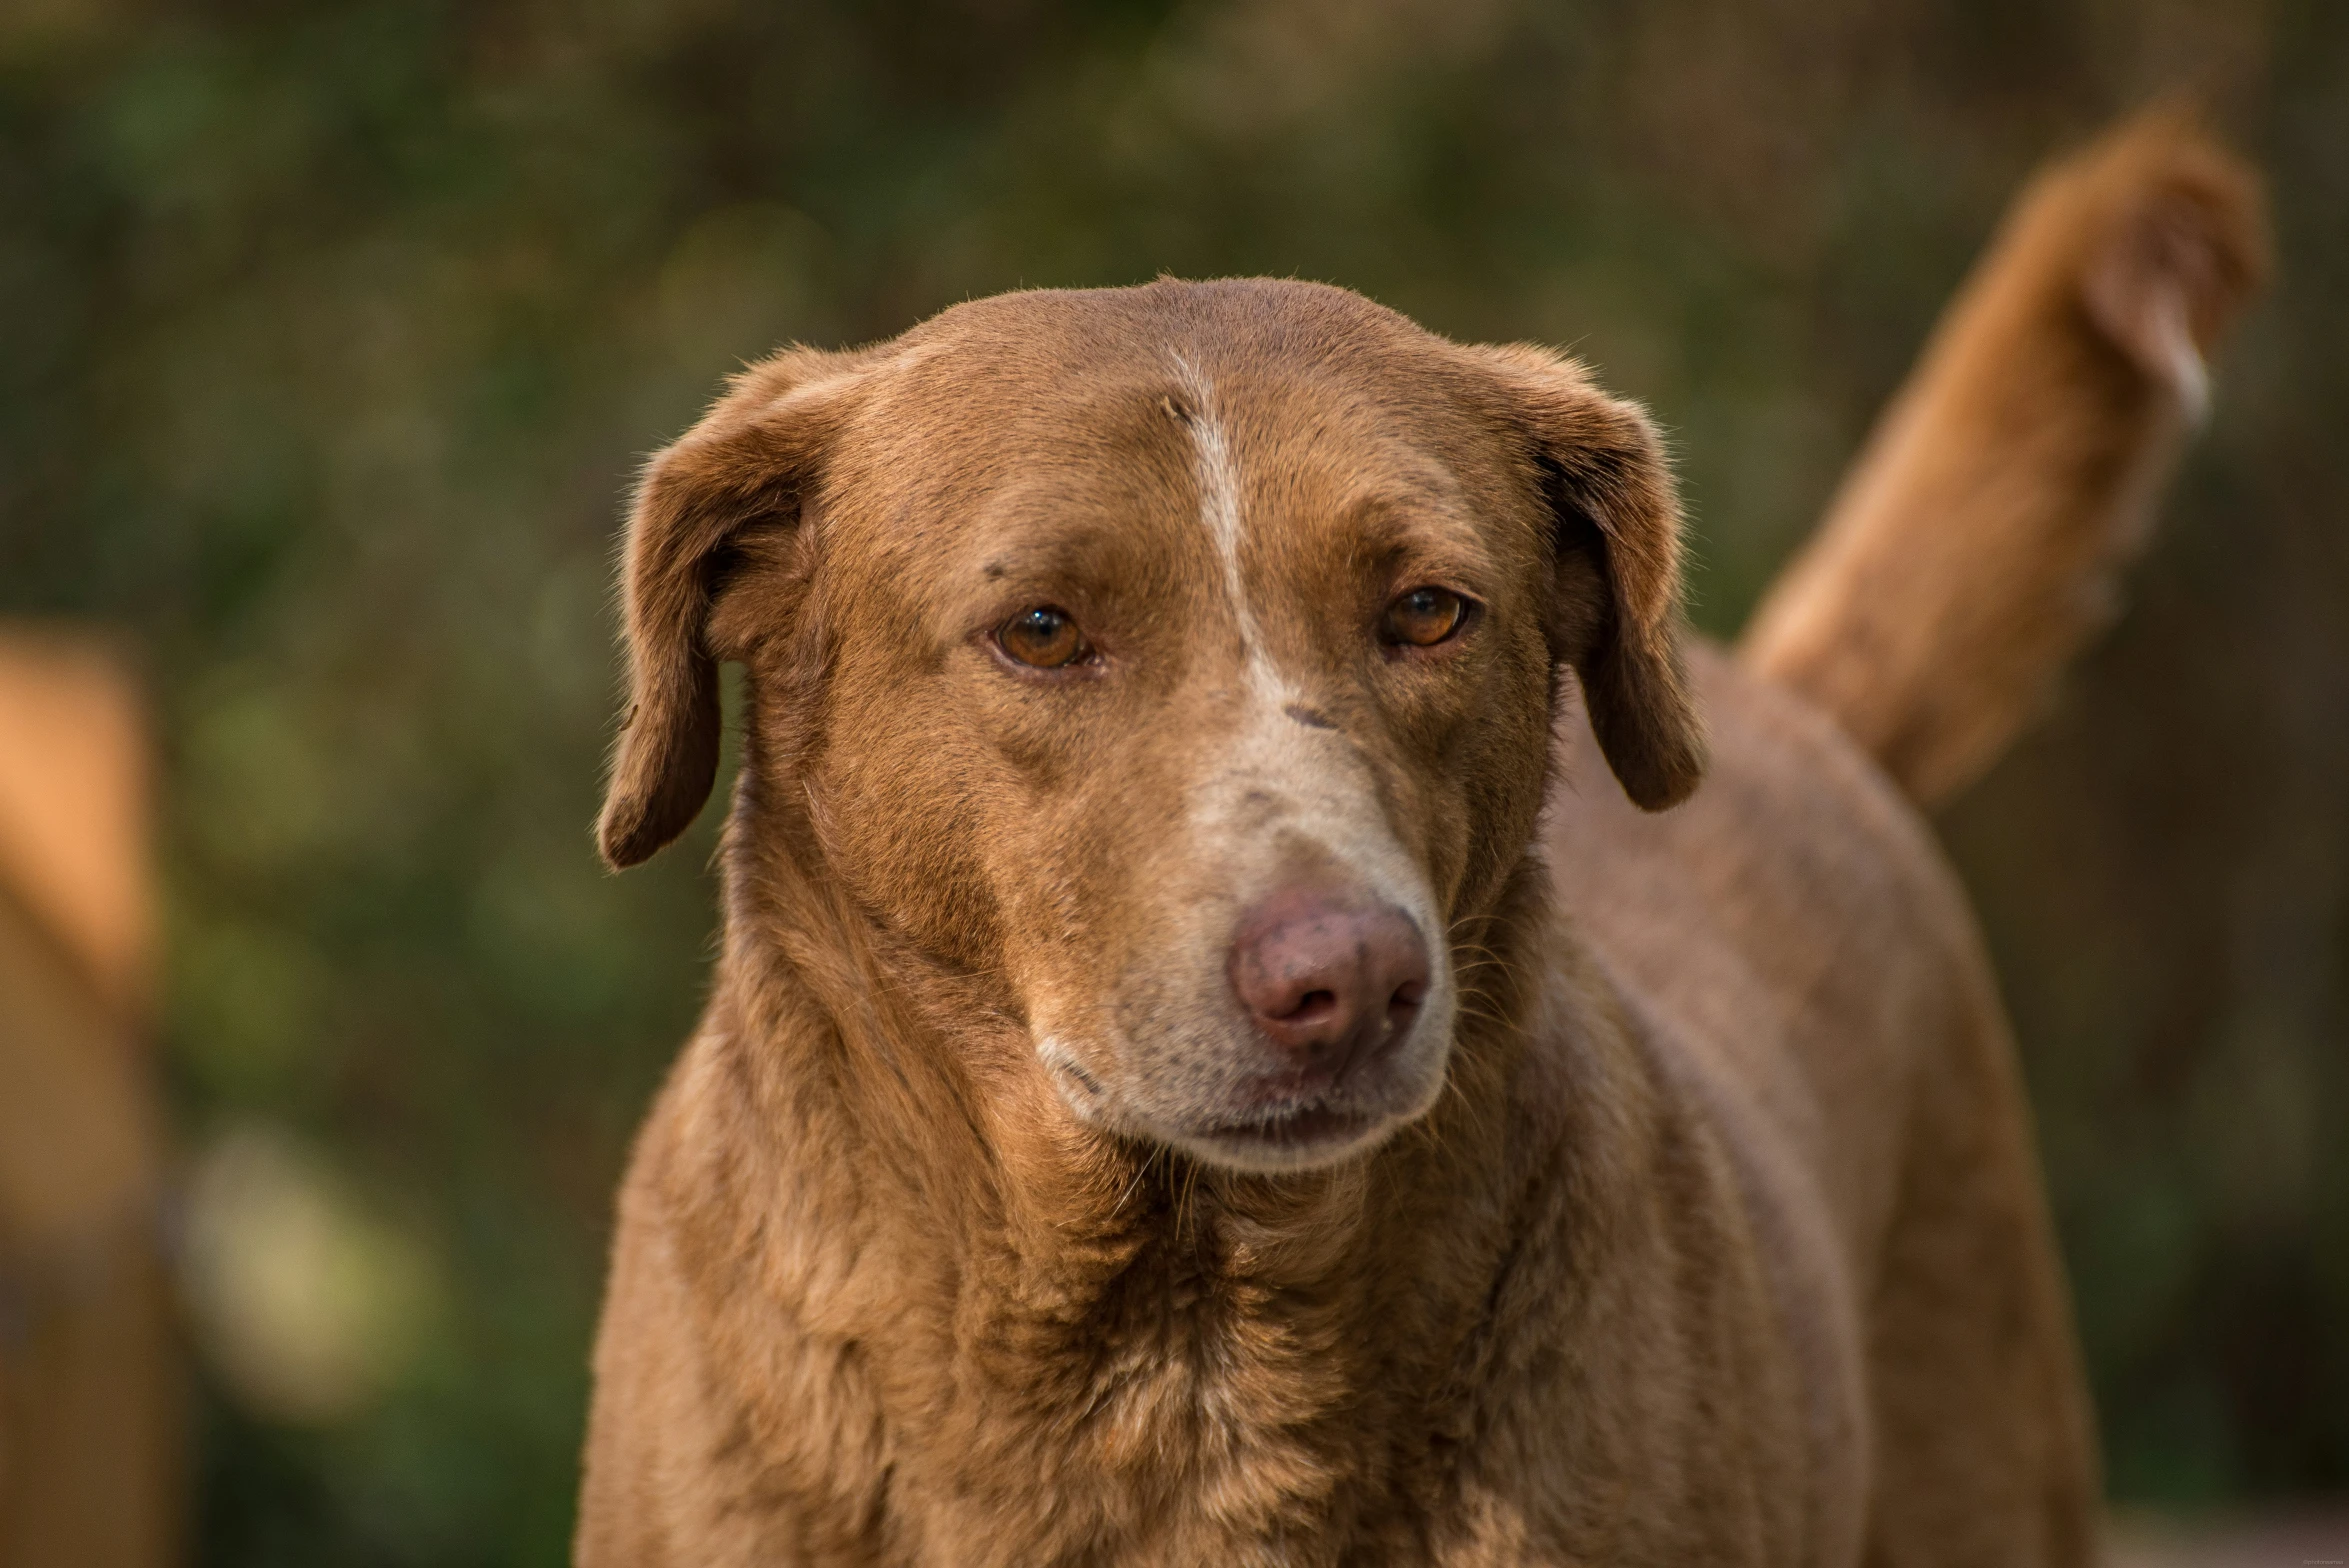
1214 1451
1182 1423
1510 1397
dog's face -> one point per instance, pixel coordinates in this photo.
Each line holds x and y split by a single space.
1180 657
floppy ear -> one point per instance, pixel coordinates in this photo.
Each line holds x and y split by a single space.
1599 469
751 460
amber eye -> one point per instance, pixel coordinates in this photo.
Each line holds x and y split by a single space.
1044 637
1425 616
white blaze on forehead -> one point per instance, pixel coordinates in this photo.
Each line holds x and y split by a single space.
1220 509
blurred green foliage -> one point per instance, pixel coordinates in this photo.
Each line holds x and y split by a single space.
330 336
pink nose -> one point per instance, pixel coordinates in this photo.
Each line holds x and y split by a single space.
1329 981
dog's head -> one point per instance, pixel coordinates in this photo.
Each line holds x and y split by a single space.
1180 658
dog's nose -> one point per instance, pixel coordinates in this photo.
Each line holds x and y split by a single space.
1329 981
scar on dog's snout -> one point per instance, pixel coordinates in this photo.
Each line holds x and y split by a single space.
1311 718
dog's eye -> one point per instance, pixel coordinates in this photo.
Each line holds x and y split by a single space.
1044 637
1425 616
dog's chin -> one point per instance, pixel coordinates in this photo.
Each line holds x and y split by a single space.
1290 1133
1300 1138
1306 1134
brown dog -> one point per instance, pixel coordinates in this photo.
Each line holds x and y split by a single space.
1173 1094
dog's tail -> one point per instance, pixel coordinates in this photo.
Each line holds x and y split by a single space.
1973 546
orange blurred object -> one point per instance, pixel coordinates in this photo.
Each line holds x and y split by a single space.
90 1404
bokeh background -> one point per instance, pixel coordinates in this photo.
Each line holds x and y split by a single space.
330 337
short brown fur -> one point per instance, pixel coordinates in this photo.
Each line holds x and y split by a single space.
1709 1231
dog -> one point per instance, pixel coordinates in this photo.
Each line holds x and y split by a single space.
1276 1007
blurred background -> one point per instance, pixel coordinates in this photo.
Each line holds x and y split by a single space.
330 337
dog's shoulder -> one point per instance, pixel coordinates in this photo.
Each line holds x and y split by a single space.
1796 850
1793 933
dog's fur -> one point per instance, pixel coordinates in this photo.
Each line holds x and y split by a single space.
1694 1218
1972 549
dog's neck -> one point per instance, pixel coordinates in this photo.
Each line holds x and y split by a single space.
1013 1269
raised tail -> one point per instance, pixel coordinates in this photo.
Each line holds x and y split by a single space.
1973 547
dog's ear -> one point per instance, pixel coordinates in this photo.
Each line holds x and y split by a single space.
1613 515
751 462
